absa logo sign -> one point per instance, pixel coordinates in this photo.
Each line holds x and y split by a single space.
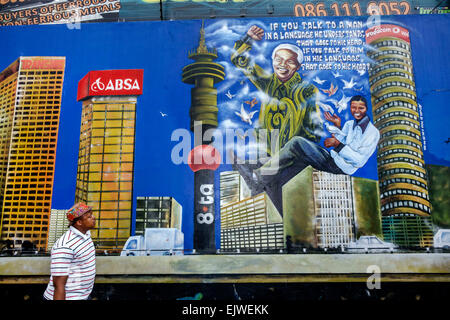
111 83
117 84
97 85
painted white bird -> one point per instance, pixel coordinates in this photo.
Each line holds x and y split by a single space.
245 116
163 114
348 84
337 74
361 72
318 81
229 95
341 104
325 107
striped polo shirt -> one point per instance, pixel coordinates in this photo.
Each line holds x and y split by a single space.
73 255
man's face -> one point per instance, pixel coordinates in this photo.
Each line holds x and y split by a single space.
88 220
285 64
358 109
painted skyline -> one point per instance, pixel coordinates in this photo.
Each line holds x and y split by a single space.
171 97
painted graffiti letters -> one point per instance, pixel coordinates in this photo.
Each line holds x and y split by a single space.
326 44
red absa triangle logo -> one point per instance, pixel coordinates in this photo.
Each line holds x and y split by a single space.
204 157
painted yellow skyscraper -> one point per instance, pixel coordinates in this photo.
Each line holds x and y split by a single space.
30 102
106 151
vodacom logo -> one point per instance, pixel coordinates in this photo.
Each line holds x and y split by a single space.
97 85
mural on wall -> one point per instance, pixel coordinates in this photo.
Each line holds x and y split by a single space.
250 135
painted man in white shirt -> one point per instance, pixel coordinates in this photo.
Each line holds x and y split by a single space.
356 142
353 145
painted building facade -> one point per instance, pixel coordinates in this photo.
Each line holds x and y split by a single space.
405 203
157 212
30 102
106 153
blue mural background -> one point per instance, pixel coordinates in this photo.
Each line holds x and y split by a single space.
161 49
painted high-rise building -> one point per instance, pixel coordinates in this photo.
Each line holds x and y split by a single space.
106 151
247 223
58 226
157 212
328 210
233 187
30 103
250 224
405 204
334 209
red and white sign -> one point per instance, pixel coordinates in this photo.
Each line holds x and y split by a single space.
111 83
386 30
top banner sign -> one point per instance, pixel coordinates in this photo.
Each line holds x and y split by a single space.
70 12
111 83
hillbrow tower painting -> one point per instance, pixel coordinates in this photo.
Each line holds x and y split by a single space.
404 196
30 102
203 74
106 154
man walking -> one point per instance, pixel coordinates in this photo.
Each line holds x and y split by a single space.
73 258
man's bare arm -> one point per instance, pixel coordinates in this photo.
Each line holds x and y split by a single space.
60 287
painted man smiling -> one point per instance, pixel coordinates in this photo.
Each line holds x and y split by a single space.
290 106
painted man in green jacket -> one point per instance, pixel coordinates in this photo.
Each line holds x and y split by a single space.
291 104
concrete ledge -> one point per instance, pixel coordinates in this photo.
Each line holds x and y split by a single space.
242 268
